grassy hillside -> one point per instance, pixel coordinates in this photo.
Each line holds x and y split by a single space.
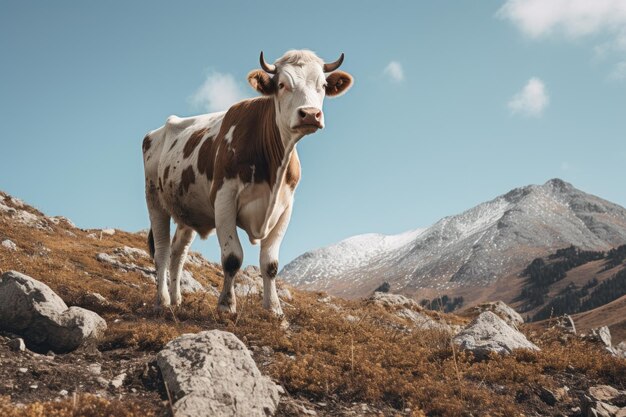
333 355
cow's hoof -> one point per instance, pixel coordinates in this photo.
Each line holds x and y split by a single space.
177 299
227 308
162 301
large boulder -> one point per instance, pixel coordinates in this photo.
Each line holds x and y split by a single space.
32 310
212 373
502 310
489 333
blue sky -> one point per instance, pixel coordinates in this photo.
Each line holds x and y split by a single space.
454 103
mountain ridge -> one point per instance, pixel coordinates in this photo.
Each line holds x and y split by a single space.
471 249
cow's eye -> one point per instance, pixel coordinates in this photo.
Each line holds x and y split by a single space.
281 85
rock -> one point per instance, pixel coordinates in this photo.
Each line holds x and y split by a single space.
566 323
22 370
600 335
502 310
384 299
104 383
93 299
94 369
489 333
118 381
188 283
284 294
423 321
63 393
9 245
547 396
605 393
61 219
31 309
17 344
130 252
211 373
245 284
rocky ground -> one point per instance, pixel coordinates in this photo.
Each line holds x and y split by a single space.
383 355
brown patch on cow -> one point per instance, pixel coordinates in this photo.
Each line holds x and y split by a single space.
206 158
173 144
256 140
292 175
193 142
166 173
338 83
187 178
146 143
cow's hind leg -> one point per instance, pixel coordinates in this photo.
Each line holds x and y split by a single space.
231 251
270 247
180 246
160 228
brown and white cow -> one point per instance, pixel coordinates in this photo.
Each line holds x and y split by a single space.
237 168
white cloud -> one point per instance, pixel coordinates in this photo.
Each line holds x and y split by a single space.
532 100
218 92
394 71
574 18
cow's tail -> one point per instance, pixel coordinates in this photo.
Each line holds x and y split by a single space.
151 243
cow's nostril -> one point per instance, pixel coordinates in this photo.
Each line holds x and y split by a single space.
318 115
302 113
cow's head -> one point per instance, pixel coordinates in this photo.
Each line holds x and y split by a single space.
299 83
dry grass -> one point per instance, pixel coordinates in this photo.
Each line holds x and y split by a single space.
322 355
78 406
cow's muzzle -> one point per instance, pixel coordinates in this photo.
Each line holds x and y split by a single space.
309 118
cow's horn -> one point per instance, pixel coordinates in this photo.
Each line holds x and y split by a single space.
333 65
269 68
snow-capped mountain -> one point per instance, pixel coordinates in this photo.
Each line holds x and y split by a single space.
472 249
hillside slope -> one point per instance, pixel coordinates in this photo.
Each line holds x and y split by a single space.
469 252
334 357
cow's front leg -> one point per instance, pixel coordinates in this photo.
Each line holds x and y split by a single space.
160 227
270 247
180 246
231 252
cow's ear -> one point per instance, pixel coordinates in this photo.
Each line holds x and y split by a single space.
262 82
338 83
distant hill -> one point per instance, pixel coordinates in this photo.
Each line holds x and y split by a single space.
471 254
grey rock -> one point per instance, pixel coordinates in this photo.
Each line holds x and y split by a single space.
188 283
424 322
489 333
212 373
9 245
502 310
284 294
118 381
17 344
566 323
600 335
385 299
31 309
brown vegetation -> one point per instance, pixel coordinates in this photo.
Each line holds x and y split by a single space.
334 351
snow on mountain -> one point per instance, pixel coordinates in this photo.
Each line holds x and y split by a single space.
473 248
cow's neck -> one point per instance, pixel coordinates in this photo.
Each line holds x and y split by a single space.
276 143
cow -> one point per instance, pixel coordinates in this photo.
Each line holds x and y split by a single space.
236 168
